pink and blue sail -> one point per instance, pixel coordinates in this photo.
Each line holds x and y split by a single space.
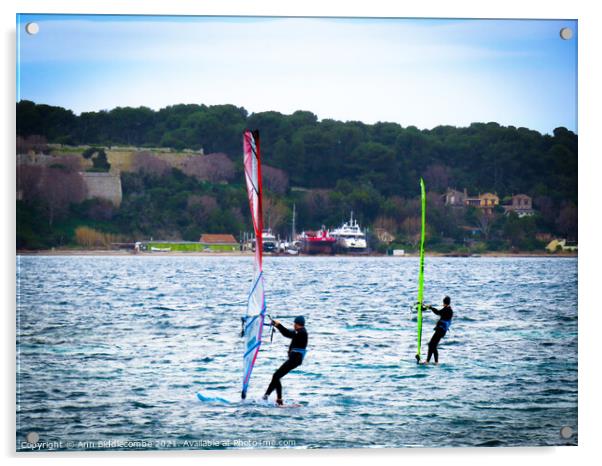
253 322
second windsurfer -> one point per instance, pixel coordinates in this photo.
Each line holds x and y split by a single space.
445 313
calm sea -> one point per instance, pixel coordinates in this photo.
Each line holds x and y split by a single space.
111 352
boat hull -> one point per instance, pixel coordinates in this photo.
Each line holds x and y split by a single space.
340 249
317 247
269 247
351 246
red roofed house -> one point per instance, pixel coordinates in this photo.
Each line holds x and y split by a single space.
219 242
222 239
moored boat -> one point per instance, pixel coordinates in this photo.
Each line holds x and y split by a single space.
317 242
269 241
350 237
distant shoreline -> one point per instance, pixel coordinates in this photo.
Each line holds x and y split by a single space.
124 253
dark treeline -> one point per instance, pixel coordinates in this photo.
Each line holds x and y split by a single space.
371 168
317 154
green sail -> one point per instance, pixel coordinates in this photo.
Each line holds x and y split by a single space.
421 273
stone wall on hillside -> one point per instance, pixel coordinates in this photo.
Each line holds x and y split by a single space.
104 186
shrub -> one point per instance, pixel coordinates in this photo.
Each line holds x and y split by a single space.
89 237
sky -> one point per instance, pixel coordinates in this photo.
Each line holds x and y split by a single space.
420 72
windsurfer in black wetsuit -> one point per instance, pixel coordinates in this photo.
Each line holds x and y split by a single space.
445 316
296 353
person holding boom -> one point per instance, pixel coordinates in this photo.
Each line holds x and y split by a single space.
296 353
445 316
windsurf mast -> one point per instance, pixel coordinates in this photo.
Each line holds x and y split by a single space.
421 272
256 309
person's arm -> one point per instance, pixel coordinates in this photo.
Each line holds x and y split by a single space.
436 311
285 332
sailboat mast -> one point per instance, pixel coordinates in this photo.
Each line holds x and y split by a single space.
294 214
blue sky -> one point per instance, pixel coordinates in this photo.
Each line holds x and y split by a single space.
420 72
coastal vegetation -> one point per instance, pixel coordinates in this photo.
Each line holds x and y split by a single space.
181 175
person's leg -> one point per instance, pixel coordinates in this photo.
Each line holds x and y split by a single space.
271 386
279 392
436 350
275 382
290 365
281 372
430 352
433 345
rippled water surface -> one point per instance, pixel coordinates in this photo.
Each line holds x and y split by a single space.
114 349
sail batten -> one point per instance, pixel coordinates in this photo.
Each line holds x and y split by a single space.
256 307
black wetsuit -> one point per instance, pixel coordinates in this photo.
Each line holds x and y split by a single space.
446 314
295 357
